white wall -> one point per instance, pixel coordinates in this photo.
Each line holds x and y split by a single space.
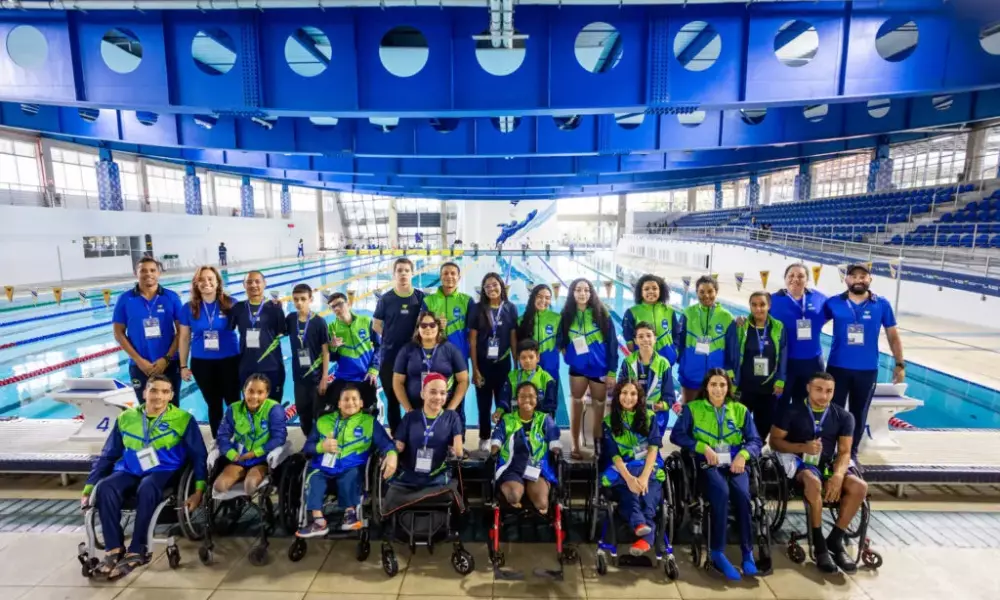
478 220
42 245
727 259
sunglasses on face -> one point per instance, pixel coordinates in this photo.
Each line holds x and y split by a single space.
429 325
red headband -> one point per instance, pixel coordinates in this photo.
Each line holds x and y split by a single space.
434 377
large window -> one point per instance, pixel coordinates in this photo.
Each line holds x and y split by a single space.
936 161
302 199
778 186
165 184
841 176
366 217
578 206
704 198
128 172
668 201
18 165
227 195
74 172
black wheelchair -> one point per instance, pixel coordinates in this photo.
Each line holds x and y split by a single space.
601 513
424 519
171 510
292 491
503 516
857 530
768 505
223 512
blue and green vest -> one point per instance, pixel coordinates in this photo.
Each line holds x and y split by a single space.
540 378
658 369
165 434
535 437
706 431
251 431
354 436
545 332
775 328
595 362
455 309
701 322
354 358
627 443
661 317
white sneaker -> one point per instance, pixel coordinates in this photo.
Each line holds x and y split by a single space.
484 445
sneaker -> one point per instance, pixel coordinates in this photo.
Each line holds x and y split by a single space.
843 560
643 530
317 528
350 522
722 564
484 445
824 562
639 548
749 565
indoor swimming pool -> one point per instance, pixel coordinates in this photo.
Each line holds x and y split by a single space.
48 336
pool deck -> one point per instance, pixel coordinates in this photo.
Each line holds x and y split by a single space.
958 349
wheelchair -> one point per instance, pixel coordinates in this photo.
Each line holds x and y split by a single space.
292 487
174 495
223 512
601 511
857 530
504 515
693 507
423 522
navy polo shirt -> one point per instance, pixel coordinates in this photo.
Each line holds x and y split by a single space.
209 318
270 320
874 313
800 421
414 360
506 321
411 429
132 309
399 319
788 310
313 335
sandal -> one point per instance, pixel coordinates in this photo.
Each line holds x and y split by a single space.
107 566
576 455
126 565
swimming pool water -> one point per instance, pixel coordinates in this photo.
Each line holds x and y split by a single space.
949 402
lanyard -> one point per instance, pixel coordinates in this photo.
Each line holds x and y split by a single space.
496 315
818 426
521 372
581 322
150 304
761 336
253 426
642 370
145 427
255 316
428 429
429 360
336 428
802 304
209 314
708 320
720 416
301 328
855 310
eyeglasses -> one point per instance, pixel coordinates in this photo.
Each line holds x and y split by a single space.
429 325
492 286
338 305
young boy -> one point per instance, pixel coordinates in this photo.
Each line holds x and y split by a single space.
355 349
527 357
651 371
310 356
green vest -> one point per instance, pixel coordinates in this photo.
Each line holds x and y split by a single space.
545 331
661 317
536 437
354 437
627 442
165 432
452 307
251 430
706 424
540 378
711 323
358 351
658 369
775 327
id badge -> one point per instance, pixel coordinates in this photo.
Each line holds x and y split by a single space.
253 338
532 472
760 366
493 349
580 345
151 328
856 334
703 346
424 458
329 460
148 459
803 330
640 451
211 340
305 360
811 459
722 451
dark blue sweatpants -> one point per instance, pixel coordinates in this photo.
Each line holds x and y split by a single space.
111 494
853 389
723 488
797 375
639 510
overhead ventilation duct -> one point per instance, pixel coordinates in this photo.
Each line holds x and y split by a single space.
506 7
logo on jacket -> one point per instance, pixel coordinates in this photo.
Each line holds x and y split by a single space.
549 330
457 313
263 425
718 328
665 324
363 335
163 426
359 431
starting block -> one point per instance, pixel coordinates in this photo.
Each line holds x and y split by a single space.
100 401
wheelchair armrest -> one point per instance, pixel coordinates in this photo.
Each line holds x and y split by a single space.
213 457
279 455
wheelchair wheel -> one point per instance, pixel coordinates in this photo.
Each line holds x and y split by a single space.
774 490
796 553
93 522
205 555
193 523
297 551
670 569
173 557
871 558
289 488
853 529
258 556
602 563
364 547
389 564
463 561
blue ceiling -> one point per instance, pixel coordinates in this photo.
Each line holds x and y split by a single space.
595 99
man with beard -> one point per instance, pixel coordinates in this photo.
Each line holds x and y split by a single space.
858 315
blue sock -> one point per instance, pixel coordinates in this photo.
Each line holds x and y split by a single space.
724 566
749 566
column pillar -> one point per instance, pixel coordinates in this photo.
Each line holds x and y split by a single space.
753 191
320 214
269 200
803 183
880 169
109 183
718 195
765 191
622 213
286 202
246 198
192 191
393 223
208 195
692 199
974 151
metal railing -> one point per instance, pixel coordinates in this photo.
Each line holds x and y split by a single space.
958 259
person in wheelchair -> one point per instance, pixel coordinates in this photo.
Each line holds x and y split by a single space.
528 372
630 462
521 442
721 435
338 449
653 373
819 434
148 446
250 430
425 436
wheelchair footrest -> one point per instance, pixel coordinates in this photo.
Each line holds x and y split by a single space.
644 561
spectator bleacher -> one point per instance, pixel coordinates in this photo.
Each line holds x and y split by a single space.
976 225
709 218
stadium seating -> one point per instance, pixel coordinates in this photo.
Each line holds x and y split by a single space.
976 225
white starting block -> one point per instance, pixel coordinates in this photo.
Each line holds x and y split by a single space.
100 401
888 401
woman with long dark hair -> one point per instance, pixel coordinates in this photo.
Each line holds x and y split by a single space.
590 348
492 335
800 310
652 305
213 349
540 323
